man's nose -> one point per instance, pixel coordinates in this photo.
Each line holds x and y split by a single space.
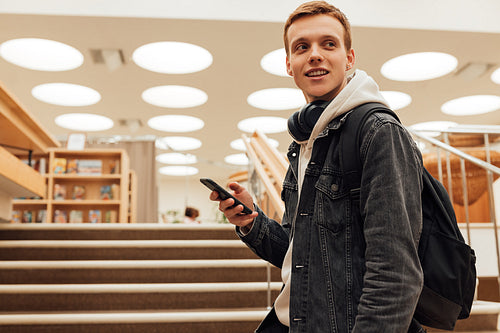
315 54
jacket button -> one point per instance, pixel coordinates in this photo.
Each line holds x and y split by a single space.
294 154
335 187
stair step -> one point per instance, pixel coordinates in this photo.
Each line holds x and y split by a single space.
117 231
136 271
92 297
222 321
123 249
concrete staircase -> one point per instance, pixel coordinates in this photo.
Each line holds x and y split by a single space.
130 278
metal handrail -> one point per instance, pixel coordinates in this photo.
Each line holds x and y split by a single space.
457 152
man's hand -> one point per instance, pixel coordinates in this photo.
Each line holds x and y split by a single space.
234 215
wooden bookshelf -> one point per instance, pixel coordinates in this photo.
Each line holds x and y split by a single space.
19 132
107 188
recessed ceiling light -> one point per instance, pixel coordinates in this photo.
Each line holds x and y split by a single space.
172 57
277 99
66 94
419 66
177 143
429 127
396 99
178 170
174 96
237 159
176 158
84 122
263 124
495 76
238 144
471 105
41 54
275 62
176 123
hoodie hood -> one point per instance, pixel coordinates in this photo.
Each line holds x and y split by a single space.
360 89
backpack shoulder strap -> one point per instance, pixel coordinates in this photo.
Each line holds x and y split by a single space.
350 160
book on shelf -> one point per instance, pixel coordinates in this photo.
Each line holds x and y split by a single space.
114 166
111 216
59 166
60 216
16 216
106 192
78 192
75 216
72 166
94 216
115 191
27 216
59 192
41 217
42 166
90 167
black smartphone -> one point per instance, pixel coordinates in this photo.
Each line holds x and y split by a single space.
223 194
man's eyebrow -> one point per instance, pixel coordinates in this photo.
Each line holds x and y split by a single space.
298 40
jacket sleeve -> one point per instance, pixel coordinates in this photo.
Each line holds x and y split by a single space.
267 238
390 203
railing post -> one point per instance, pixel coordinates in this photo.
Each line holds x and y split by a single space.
448 168
269 300
493 216
466 199
440 167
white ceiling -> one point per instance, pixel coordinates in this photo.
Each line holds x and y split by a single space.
238 34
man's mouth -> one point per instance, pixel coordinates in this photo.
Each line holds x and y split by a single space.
318 72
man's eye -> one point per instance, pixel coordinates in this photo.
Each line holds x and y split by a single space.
301 47
330 44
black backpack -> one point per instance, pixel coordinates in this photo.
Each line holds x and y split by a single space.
447 261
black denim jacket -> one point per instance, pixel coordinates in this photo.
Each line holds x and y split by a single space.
355 265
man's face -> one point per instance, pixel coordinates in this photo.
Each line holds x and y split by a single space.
317 57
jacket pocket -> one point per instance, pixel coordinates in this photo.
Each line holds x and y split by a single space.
330 208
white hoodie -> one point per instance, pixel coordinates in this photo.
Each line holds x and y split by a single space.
360 89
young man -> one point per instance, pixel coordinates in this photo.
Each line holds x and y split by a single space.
345 268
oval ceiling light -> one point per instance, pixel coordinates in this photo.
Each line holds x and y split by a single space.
263 124
471 105
66 94
177 143
277 99
174 96
237 159
419 66
433 128
175 123
396 99
176 158
178 170
85 122
172 57
495 76
41 54
238 144
275 62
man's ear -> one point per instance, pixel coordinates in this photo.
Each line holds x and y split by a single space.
288 67
351 59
